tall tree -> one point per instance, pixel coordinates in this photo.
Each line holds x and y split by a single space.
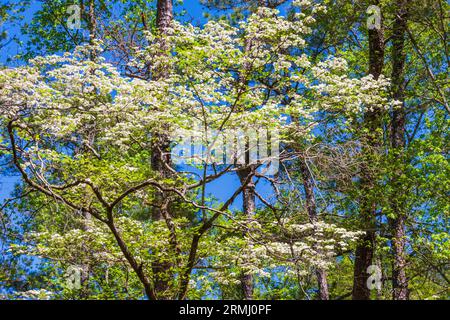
368 206
160 160
398 143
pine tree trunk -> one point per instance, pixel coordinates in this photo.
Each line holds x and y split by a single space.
365 249
164 15
161 149
398 142
248 192
249 208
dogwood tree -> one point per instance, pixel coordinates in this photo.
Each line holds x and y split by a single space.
78 133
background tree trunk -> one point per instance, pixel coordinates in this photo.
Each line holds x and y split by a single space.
249 208
308 185
398 142
365 249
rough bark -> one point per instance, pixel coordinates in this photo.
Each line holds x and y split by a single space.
365 249
248 191
249 208
398 141
160 150
311 207
164 15
160 159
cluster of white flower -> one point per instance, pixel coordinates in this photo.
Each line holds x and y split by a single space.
35 294
303 246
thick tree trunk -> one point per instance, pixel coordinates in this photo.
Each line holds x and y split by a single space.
249 207
161 151
248 192
164 15
365 249
363 259
308 185
399 279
